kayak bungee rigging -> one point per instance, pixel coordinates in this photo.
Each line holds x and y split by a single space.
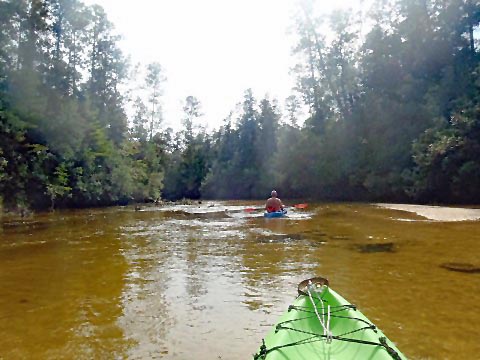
323 325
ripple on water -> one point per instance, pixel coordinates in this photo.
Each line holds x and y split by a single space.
23 243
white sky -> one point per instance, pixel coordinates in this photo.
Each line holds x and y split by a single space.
211 49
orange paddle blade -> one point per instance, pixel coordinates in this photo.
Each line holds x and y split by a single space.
249 209
300 206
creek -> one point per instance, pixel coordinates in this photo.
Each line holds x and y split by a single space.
207 281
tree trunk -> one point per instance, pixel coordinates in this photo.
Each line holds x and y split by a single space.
472 40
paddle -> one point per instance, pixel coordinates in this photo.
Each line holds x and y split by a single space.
296 206
300 206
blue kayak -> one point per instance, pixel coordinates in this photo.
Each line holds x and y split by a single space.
275 214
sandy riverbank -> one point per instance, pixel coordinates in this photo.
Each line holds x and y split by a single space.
437 213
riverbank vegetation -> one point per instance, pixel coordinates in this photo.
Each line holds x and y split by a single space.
392 99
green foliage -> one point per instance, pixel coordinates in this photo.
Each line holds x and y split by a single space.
58 186
63 131
189 163
373 130
446 158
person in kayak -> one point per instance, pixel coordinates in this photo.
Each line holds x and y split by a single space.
274 203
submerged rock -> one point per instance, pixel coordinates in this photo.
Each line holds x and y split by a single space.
182 214
21 227
461 267
314 233
268 238
378 247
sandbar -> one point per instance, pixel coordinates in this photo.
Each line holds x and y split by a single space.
437 213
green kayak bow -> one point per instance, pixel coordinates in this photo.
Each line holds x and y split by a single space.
321 324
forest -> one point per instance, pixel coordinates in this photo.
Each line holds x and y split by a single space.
392 100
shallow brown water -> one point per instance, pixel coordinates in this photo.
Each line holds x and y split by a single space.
196 282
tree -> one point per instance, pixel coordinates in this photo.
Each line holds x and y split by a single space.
189 162
140 121
266 146
192 110
292 107
154 80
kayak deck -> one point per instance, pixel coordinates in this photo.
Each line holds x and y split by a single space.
299 334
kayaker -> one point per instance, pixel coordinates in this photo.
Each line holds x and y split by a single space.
274 203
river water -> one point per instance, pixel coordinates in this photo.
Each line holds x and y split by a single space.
208 281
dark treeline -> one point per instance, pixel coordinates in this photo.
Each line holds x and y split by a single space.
392 98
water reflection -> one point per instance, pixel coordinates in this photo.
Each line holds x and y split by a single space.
146 312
